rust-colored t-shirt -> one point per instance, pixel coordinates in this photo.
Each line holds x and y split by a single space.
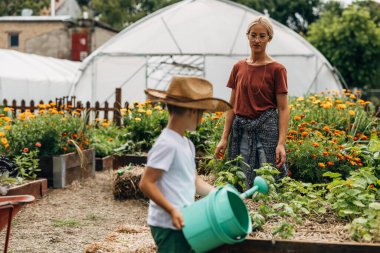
256 87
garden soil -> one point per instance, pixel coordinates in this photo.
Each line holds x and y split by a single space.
84 217
66 220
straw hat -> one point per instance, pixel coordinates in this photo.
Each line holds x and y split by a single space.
190 92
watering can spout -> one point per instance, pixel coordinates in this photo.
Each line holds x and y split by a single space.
259 185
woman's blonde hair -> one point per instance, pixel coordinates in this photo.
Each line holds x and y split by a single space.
263 21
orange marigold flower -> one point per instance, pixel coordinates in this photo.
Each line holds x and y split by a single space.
297 118
351 112
321 165
25 150
371 186
290 137
313 156
353 163
326 128
313 122
293 132
299 142
364 138
315 144
325 153
304 134
330 164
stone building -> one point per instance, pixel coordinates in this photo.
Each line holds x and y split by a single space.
58 36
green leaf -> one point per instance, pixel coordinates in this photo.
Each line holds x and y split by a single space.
332 174
375 205
358 203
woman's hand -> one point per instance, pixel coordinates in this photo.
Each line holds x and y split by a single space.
221 149
177 219
280 156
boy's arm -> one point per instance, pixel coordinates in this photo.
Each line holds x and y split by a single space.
202 188
149 188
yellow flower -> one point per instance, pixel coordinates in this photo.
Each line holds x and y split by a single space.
327 105
219 113
123 110
7 119
328 98
2 134
137 119
317 101
7 127
105 124
4 141
352 96
300 99
322 165
341 106
297 118
148 112
351 112
53 104
338 101
6 109
141 110
157 107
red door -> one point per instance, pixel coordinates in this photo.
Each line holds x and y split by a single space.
79 46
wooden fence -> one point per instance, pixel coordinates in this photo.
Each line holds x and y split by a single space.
71 104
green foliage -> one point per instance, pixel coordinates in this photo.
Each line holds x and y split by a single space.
208 133
143 124
105 139
329 132
14 7
51 134
27 165
121 13
228 171
351 42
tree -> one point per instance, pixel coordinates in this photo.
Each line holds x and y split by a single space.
351 42
14 7
120 13
298 15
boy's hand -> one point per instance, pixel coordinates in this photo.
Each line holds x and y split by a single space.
177 219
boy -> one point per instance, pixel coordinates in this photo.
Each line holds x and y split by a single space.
170 179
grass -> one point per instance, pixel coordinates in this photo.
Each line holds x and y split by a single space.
69 222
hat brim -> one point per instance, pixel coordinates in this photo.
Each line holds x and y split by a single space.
207 104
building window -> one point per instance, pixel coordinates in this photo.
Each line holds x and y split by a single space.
13 39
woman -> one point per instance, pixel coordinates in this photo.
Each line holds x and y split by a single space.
259 120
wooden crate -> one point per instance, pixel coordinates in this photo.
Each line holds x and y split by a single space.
37 188
104 163
62 170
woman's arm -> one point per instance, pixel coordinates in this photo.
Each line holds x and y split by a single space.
149 187
283 114
221 147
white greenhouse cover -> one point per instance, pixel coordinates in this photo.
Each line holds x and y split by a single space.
194 37
33 77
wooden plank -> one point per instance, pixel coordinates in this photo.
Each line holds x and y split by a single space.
291 246
37 188
104 163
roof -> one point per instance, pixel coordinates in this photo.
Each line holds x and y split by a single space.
36 19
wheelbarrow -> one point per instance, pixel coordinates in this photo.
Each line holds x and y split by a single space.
9 207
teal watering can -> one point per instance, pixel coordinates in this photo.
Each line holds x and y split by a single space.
219 218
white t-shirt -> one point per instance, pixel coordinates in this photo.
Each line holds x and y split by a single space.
175 155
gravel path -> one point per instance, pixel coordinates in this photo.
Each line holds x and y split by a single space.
67 219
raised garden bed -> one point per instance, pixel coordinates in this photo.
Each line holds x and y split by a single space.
282 246
37 188
62 170
124 160
104 163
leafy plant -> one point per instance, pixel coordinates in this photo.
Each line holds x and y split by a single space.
27 165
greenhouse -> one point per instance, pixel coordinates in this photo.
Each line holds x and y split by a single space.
202 38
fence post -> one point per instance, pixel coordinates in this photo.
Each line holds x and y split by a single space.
117 107
32 106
